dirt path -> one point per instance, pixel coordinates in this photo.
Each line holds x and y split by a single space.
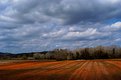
62 70
97 70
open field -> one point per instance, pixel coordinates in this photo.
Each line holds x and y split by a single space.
61 70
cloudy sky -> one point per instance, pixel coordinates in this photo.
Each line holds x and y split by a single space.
38 25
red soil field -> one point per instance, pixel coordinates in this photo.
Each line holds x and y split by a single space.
61 70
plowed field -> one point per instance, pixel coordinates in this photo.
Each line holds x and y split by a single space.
61 70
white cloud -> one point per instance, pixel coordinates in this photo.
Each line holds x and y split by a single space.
116 25
55 34
118 39
113 27
86 33
109 1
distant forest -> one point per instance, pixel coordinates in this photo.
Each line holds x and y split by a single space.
99 52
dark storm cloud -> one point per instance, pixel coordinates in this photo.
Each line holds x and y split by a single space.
75 11
63 11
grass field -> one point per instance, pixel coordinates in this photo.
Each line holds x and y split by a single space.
61 70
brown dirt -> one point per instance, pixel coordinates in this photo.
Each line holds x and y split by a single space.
62 70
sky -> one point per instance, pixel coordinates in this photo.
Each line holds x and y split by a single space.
41 25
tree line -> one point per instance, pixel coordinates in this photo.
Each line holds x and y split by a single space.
99 52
